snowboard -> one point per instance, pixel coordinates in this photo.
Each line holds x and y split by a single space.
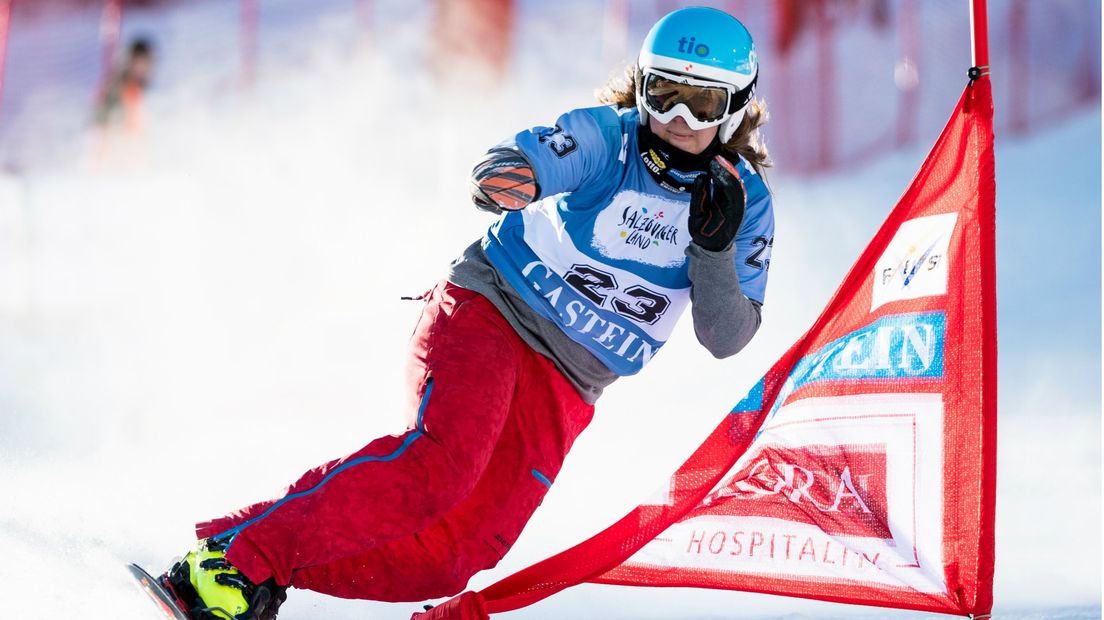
161 597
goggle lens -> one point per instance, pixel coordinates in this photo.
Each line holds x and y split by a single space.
706 103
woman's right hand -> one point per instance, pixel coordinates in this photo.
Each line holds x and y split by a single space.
503 181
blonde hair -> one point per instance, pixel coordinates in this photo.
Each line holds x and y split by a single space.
746 142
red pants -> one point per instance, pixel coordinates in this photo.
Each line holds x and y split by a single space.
414 516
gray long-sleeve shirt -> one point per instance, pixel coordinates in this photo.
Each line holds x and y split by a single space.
724 319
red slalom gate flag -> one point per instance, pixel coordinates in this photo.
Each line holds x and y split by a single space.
861 468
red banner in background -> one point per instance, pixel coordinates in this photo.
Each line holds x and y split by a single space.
472 42
861 468
5 20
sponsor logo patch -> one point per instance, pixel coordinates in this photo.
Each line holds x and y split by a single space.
915 264
840 489
644 228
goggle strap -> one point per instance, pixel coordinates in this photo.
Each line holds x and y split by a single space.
740 98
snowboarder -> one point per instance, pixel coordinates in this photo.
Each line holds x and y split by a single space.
610 223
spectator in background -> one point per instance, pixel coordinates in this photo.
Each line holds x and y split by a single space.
120 103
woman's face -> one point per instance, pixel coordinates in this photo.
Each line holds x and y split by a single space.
679 135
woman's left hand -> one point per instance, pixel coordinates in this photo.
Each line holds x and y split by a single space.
717 202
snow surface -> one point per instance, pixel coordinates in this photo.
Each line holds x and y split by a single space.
186 328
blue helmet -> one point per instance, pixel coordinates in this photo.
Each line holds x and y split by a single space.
698 48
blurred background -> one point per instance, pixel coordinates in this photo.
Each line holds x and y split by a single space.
819 58
209 210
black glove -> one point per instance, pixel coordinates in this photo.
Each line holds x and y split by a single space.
716 206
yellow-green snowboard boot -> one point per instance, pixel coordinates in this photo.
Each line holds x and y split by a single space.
209 588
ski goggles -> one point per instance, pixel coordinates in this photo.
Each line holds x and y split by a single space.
701 103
